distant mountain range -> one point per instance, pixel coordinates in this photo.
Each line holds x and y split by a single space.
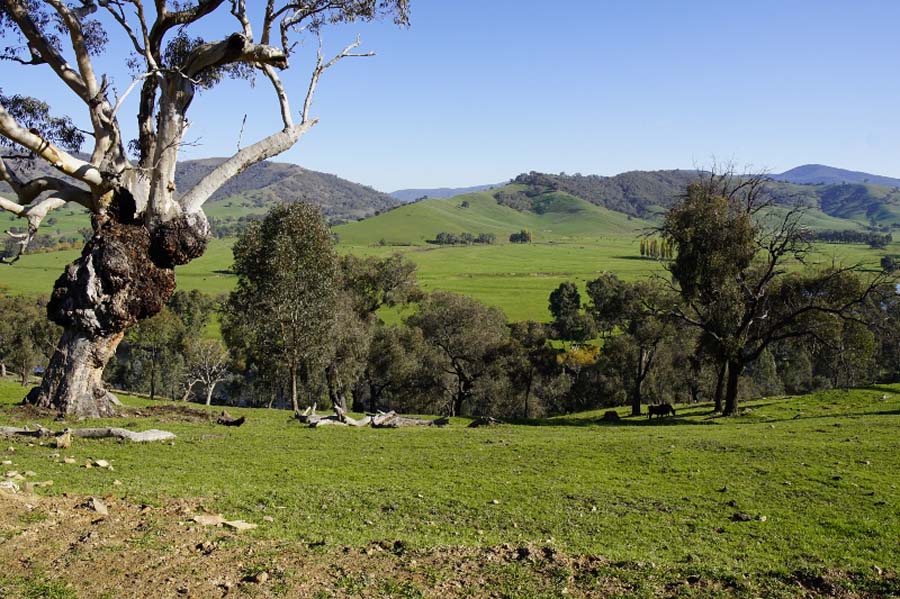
840 198
814 174
411 195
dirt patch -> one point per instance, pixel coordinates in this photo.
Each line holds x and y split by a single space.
63 547
168 413
20 413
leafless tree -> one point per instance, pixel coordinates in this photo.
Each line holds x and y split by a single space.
207 364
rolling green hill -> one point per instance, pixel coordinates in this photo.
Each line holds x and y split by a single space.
562 217
647 194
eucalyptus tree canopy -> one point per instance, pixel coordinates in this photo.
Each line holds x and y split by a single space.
742 273
142 226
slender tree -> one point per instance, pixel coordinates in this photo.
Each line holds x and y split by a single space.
282 312
142 226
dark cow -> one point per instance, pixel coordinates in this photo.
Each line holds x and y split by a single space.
663 409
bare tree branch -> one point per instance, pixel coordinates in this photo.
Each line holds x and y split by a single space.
58 158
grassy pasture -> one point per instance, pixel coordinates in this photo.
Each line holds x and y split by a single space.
515 278
656 501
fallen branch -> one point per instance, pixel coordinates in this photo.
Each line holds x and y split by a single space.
91 433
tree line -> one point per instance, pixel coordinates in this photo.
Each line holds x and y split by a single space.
737 315
445 238
874 240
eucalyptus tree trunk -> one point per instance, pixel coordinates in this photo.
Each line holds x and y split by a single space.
124 274
720 387
731 388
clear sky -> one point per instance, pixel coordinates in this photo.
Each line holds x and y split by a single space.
478 91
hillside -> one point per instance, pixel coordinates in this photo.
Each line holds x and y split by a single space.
646 194
816 174
563 216
562 507
254 190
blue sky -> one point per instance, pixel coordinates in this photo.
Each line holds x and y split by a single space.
477 92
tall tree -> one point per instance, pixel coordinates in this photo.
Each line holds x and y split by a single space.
142 226
282 311
732 270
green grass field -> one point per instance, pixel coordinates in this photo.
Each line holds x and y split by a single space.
516 278
655 500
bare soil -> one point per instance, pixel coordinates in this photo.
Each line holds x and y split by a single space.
62 547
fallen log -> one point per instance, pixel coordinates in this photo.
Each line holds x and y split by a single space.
342 416
394 420
91 433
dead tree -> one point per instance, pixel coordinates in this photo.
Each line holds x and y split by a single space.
142 226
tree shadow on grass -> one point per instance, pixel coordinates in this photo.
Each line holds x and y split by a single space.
599 421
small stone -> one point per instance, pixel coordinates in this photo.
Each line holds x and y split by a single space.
239 525
69 460
495 501
6 462
209 519
101 463
64 441
117 483
30 474
9 486
261 577
11 449
98 506
12 474
88 464
877 570
268 519
762 518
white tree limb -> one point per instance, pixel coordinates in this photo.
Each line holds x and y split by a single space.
273 145
58 158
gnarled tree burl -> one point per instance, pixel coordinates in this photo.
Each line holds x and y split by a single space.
142 225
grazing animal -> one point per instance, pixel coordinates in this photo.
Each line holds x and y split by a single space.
663 409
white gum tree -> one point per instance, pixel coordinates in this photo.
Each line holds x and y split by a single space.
142 226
